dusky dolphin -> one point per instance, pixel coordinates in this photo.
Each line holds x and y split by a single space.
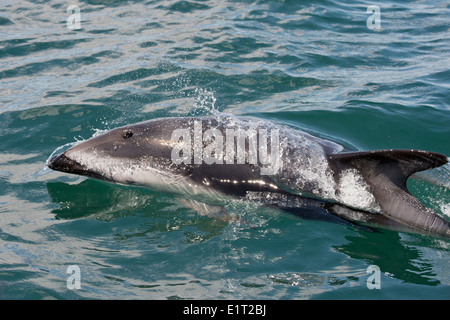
204 158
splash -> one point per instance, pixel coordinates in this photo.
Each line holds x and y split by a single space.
98 132
445 208
204 103
433 188
61 149
354 192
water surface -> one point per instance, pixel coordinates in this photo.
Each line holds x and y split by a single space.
315 66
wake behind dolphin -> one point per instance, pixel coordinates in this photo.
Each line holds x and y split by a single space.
208 158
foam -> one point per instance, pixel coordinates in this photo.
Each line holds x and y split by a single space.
445 209
61 149
354 191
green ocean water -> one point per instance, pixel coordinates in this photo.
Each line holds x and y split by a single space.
315 66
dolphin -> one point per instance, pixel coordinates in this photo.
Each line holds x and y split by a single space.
216 158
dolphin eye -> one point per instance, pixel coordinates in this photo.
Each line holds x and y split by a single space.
127 134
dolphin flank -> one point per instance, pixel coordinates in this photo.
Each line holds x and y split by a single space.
214 158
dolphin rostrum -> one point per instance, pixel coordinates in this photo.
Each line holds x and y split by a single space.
208 158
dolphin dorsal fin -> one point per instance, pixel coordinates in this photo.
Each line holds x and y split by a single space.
386 172
395 164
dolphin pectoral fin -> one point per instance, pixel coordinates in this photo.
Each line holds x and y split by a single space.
386 171
209 210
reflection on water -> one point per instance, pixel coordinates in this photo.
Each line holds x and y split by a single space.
105 202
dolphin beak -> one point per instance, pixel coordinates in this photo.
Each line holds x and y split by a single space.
63 163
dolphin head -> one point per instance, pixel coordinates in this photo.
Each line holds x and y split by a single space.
134 154
150 154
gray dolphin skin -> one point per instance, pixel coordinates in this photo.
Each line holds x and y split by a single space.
212 159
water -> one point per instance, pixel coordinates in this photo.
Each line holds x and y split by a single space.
314 66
